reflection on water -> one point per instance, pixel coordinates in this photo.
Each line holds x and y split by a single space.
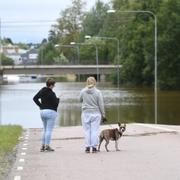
133 104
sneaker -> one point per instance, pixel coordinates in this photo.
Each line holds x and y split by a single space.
87 150
94 150
48 148
42 148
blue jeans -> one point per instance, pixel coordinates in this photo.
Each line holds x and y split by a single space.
48 117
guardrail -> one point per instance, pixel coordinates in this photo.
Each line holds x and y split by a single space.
58 69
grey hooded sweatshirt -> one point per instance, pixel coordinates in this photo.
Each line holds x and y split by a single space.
92 99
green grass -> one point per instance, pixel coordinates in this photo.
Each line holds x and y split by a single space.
9 135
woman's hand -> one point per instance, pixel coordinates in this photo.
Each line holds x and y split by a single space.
103 119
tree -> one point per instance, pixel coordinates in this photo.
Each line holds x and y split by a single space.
61 59
8 41
6 60
88 51
94 19
69 24
46 54
169 47
136 32
67 29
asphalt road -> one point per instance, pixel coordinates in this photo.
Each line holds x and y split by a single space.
146 153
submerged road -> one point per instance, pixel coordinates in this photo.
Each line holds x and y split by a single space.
147 152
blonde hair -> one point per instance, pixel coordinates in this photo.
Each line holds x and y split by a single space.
90 82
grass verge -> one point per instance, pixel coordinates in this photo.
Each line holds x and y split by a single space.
9 135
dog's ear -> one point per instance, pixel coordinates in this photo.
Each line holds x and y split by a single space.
119 124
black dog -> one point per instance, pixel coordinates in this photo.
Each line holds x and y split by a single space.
111 134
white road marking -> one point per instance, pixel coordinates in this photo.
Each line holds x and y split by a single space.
24 148
19 168
21 160
17 177
25 144
23 153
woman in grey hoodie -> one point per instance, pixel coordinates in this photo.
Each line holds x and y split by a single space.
92 112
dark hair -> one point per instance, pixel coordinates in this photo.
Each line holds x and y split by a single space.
50 81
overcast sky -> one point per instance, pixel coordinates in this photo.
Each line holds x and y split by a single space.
14 14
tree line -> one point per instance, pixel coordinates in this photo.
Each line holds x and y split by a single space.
135 32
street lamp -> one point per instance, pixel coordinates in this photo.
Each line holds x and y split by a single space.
155 52
0 47
69 46
78 56
107 38
77 48
118 48
97 60
1 77
118 61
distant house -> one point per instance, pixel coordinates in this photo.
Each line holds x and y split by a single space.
20 56
14 53
30 57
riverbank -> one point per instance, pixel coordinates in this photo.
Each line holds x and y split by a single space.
9 136
143 153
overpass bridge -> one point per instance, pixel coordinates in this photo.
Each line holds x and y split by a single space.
58 69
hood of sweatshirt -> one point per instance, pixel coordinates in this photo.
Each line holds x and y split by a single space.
90 90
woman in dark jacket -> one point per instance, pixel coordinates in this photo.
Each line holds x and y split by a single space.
48 102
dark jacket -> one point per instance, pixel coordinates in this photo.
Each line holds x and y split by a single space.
46 99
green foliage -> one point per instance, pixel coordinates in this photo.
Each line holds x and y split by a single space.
22 46
169 47
135 32
61 59
88 51
137 42
94 19
46 54
69 25
7 41
6 60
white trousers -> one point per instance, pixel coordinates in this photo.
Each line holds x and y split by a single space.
91 122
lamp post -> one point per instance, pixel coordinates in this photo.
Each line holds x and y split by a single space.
0 47
69 46
118 62
155 52
97 60
118 49
1 78
1 51
107 38
78 56
77 47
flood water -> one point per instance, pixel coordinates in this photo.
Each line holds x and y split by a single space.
125 105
